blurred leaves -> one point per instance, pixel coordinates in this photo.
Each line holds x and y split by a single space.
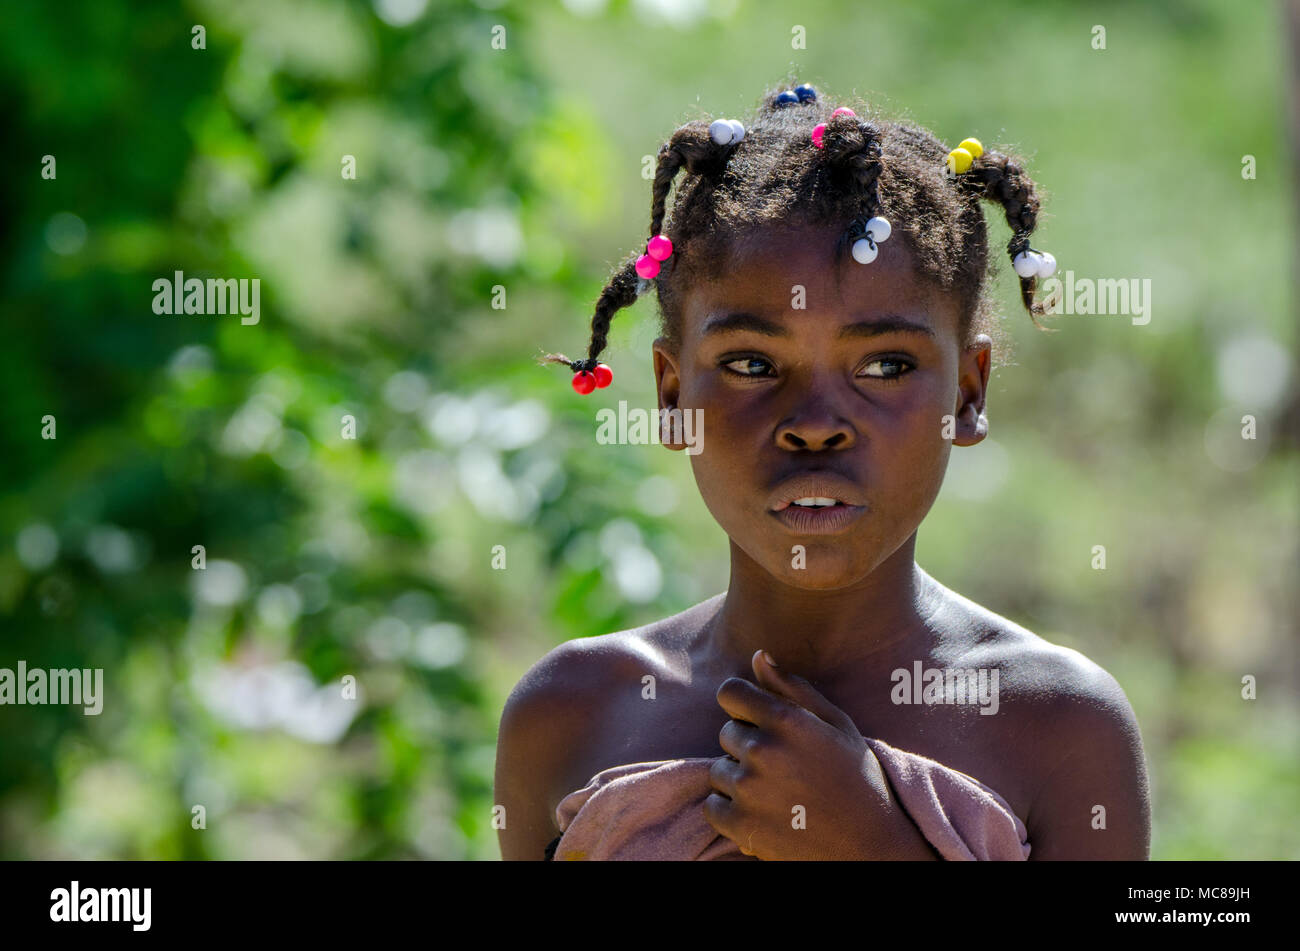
329 557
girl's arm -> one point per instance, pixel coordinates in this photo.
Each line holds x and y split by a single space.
542 726
1094 802
522 762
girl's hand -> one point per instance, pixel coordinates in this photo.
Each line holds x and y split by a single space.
789 746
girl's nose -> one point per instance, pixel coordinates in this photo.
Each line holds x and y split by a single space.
815 429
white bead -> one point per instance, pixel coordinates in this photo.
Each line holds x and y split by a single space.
1026 263
1047 267
880 229
864 251
721 131
738 130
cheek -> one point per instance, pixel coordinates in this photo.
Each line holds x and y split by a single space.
716 488
735 437
912 426
725 463
911 443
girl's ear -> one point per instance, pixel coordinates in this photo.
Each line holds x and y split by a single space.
668 385
972 385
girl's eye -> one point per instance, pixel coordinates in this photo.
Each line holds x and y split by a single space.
746 363
894 369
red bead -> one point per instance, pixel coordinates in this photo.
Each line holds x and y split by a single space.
584 382
659 248
647 267
603 374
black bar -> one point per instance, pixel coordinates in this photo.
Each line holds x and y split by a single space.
996 901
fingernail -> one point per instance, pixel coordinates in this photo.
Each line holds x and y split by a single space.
768 657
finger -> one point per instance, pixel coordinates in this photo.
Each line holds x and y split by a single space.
737 738
723 775
722 814
801 692
754 704
728 820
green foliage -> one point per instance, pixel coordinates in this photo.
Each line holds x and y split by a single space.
330 557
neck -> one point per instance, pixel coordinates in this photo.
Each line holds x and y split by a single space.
821 634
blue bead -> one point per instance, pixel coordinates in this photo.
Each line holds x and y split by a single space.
805 92
786 97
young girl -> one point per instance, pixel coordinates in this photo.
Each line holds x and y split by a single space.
822 291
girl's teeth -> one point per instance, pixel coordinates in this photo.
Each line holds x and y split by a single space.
815 502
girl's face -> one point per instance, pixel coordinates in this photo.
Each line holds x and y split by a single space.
848 383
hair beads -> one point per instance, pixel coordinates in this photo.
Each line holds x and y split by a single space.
877 229
1027 263
801 93
865 248
819 130
599 376
866 169
657 249
726 131
961 158
1030 263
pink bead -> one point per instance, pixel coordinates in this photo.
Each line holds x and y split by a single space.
818 131
843 111
647 266
659 248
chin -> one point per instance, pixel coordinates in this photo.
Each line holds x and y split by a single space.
828 566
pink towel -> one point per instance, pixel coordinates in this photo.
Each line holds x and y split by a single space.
654 812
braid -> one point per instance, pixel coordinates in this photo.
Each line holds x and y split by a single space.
692 148
771 173
996 177
622 291
852 149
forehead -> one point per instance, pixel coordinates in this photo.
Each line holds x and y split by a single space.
764 270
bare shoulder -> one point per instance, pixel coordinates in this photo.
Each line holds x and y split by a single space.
1034 673
555 701
552 719
543 718
576 676
1071 719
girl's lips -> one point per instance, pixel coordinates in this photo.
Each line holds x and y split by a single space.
819 521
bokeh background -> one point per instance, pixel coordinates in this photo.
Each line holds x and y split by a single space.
522 168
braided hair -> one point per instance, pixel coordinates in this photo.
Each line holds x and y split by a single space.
773 175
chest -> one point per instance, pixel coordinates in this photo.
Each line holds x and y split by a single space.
683 720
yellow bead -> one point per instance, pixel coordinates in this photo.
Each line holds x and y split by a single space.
972 146
959 160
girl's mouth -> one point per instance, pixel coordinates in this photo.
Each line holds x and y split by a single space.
815 517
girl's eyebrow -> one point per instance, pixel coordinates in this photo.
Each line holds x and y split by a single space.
735 322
